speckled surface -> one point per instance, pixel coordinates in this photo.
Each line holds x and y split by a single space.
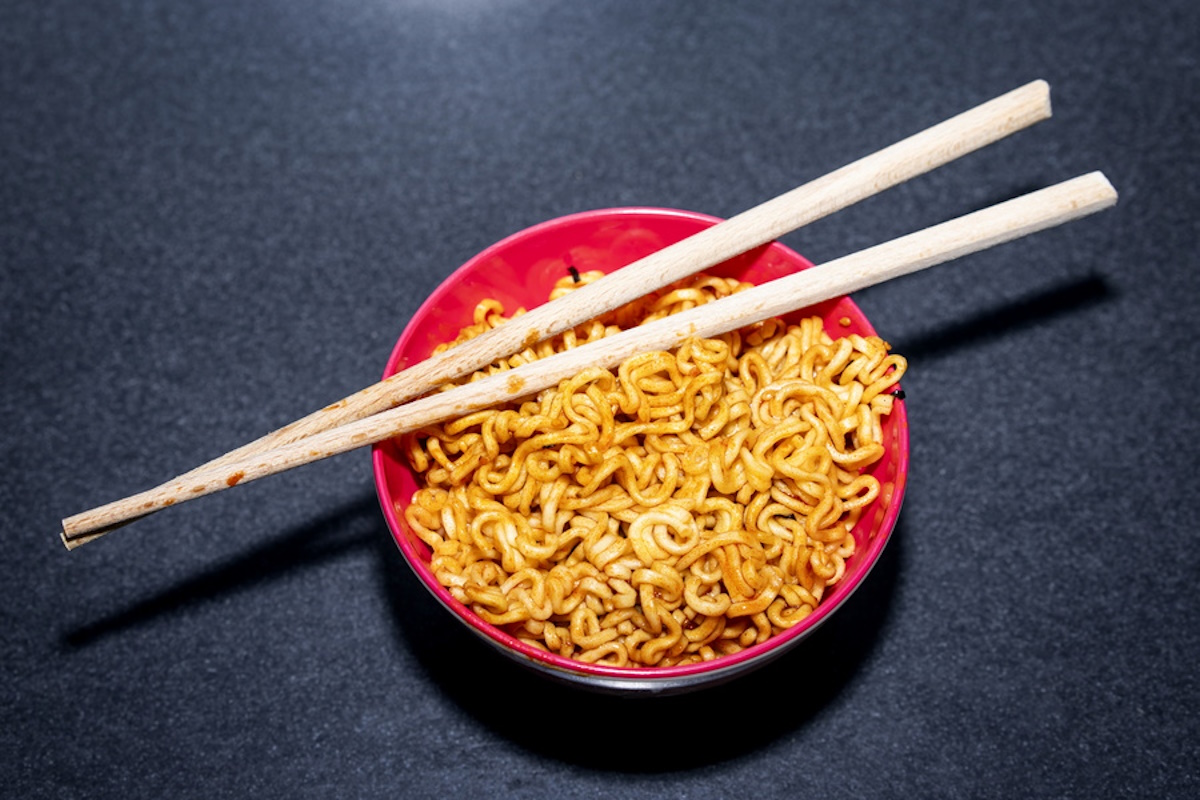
216 217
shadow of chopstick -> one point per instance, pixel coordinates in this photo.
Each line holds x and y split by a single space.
999 322
351 527
484 683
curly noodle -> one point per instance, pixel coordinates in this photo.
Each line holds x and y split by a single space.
688 505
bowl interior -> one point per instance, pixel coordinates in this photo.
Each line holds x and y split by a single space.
519 272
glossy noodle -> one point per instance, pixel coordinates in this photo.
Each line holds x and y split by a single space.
685 506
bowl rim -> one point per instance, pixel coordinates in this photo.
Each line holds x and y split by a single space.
554 663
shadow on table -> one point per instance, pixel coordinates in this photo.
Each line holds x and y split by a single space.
1002 320
643 734
602 731
596 730
352 526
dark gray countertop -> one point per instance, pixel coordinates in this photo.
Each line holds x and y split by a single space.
218 216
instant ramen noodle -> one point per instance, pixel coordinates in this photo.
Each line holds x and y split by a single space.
684 506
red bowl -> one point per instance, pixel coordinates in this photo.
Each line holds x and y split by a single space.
520 271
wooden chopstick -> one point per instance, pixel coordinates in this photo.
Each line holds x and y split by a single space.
906 159
1004 222
902 161
920 153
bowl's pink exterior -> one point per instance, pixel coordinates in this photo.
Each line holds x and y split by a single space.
520 271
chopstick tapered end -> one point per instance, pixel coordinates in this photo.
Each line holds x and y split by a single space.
73 541
78 530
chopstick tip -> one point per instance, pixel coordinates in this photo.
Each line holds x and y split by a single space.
79 530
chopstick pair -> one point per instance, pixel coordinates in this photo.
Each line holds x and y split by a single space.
382 411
